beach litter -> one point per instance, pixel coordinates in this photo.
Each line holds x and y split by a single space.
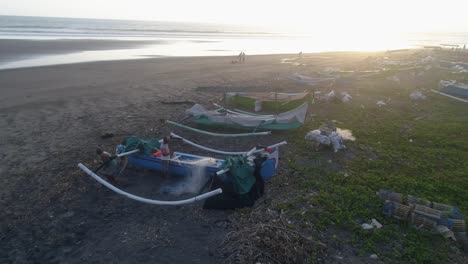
330 136
380 103
332 96
417 95
258 105
346 97
374 224
423 214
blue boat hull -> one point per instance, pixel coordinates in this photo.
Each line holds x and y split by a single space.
183 165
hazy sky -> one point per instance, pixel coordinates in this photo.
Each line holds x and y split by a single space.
300 15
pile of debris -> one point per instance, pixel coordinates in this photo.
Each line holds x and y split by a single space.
265 236
423 214
332 96
326 136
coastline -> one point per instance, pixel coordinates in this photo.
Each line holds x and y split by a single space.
14 50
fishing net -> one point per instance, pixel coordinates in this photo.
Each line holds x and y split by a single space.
146 146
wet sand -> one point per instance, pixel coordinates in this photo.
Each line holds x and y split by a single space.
15 49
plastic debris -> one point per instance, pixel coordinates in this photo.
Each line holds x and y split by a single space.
458 69
380 103
376 223
317 136
336 141
428 59
330 96
417 95
258 106
374 256
445 232
345 97
330 136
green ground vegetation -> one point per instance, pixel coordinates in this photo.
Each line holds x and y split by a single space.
417 148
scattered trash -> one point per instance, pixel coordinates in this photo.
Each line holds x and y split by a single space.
258 105
438 218
315 135
346 97
376 223
428 59
330 96
417 95
374 256
458 69
336 141
330 136
445 232
346 134
380 103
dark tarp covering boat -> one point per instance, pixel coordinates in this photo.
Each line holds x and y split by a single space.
242 185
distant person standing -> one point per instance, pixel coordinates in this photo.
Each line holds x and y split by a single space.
240 57
243 57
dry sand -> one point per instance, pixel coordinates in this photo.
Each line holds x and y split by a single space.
52 117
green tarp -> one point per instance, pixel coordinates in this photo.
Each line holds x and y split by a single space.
242 173
147 146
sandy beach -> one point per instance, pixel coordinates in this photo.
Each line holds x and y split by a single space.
53 117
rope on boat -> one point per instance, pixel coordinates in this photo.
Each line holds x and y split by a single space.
225 152
218 134
145 200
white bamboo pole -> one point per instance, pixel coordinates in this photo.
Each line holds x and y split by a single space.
145 200
450 96
225 152
127 153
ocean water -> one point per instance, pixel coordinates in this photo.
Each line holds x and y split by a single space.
194 39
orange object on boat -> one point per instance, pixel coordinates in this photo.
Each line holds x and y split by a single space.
157 154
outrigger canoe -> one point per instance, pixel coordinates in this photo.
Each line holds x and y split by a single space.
140 154
288 120
182 164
